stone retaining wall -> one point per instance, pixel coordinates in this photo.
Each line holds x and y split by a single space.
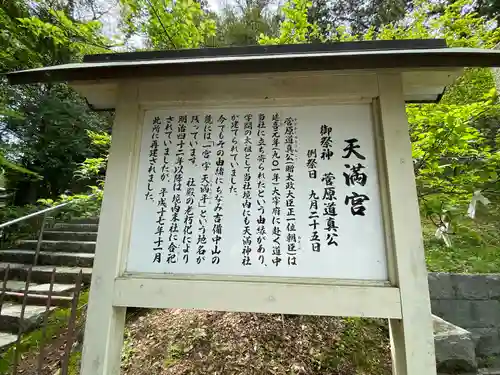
473 303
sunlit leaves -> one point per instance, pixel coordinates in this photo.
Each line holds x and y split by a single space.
167 24
295 28
455 143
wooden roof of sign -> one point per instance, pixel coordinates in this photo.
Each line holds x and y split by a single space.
405 55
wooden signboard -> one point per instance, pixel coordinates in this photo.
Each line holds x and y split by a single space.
225 201
270 179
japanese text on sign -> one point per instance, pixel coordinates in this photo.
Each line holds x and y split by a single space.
288 192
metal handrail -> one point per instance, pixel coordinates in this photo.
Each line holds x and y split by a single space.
43 212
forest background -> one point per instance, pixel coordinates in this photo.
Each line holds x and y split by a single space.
53 147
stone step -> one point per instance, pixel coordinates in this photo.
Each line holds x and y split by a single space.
69 236
489 371
49 258
6 340
10 318
42 274
69 227
67 246
57 289
85 220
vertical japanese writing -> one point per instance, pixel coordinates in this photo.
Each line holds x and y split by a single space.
205 189
235 122
193 141
329 198
313 221
276 194
290 156
153 157
188 219
312 163
173 247
167 131
247 190
355 176
160 224
162 194
160 213
330 208
326 142
219 181
261 187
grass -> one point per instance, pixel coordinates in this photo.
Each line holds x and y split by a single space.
475 245
74 363
30 343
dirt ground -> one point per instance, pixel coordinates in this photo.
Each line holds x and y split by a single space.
190 342
182 342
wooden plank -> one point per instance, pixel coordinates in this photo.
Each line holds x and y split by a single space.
260 279
246 90
105 323
412 338
419 84
260 297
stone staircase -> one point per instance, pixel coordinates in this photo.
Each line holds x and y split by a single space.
67 247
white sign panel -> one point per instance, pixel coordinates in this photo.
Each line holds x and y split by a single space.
281 192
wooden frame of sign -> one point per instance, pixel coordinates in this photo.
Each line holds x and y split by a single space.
401 295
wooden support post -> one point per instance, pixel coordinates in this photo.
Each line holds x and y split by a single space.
105 323
412 338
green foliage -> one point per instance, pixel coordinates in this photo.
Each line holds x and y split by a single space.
452 159
43 127
7 164
81 205
457 27
488 8
243 24
127 349
475 84
22 230
56 326
93 169
51 140
295 27
167 24
35 34
74 363
475 244
455 143
77 38
357 16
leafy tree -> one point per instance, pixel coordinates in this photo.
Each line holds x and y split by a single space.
454 153
488 8
357 16
42 126
51 140
37 35
166 24
295 26
242 24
